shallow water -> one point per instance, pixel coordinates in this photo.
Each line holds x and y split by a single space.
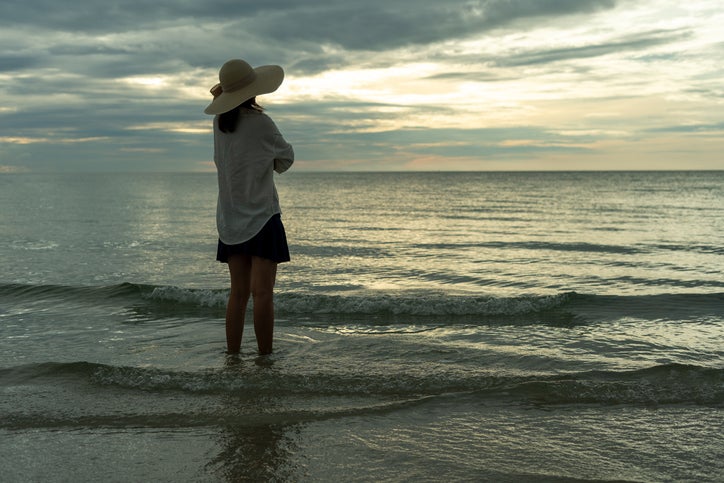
465 326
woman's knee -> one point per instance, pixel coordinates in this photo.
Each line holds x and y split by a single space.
239 293
262 292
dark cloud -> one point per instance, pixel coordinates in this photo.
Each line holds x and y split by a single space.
92 16
629 44
132 37
691 128
10 62
379 24
370 25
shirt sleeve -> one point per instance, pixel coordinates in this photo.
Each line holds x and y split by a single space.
283 152
284 155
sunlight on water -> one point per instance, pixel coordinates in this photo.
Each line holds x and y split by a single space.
508 233
500 234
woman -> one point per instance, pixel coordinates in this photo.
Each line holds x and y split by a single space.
247 149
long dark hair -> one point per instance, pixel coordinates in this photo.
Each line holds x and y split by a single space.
228 120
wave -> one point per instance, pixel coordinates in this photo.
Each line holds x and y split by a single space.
658 385
542 246
20 291
564 307
637 249
416 304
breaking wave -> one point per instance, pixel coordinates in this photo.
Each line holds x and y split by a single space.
173 299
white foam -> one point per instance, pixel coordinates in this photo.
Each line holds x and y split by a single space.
199 297
419 305
372 303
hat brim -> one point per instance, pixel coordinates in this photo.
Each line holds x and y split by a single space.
268 79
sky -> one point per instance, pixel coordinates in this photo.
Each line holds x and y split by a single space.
370 85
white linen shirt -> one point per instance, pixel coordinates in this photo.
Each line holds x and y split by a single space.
245 162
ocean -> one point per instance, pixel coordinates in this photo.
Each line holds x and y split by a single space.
506 327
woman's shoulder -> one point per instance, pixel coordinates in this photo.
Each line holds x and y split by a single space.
254 114
245 111
258 118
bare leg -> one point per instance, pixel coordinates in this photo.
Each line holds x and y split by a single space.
240 273
263 277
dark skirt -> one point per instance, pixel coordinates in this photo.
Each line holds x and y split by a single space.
269 243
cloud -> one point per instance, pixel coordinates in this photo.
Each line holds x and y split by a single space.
347 23
717 129
134 37
10 63
370 85
384 24
629 44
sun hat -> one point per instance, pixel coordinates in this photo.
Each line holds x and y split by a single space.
240 82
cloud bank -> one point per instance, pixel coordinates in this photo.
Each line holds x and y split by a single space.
395 84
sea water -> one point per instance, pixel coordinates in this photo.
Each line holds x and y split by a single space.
430 327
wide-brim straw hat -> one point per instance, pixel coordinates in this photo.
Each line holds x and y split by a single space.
240 82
